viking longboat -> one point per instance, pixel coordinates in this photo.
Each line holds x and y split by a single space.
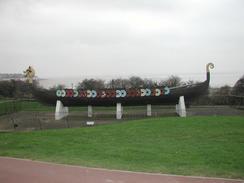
132 96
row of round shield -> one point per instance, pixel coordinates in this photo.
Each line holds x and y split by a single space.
116 93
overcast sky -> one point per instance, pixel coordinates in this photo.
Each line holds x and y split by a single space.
68 38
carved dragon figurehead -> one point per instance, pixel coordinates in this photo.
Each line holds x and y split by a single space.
29 73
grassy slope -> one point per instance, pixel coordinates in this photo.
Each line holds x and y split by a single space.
210 146
9 106
33 106
36 106
6 106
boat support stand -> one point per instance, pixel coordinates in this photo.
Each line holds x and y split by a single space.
181 107
61 111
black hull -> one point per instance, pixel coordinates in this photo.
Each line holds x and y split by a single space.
190 92
127 97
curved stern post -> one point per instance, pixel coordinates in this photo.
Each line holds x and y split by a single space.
208 67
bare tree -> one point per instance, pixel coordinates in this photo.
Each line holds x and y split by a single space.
172 81
91 84
118 83
223 91
57 87
238 89
136 82
149 83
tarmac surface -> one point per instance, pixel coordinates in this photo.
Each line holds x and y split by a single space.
14 170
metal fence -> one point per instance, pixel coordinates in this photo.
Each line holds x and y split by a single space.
11 106
31 120
46 120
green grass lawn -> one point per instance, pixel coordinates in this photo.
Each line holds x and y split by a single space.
3 100
33 106
205 146
37 106
9 106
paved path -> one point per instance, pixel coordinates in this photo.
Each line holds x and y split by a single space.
26 171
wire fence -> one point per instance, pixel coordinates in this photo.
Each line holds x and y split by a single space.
15 117
46 120
11 106
29 121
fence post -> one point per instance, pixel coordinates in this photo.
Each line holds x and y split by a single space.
39 121
13 123
67 122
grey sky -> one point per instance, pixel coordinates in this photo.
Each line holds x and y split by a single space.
121 37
